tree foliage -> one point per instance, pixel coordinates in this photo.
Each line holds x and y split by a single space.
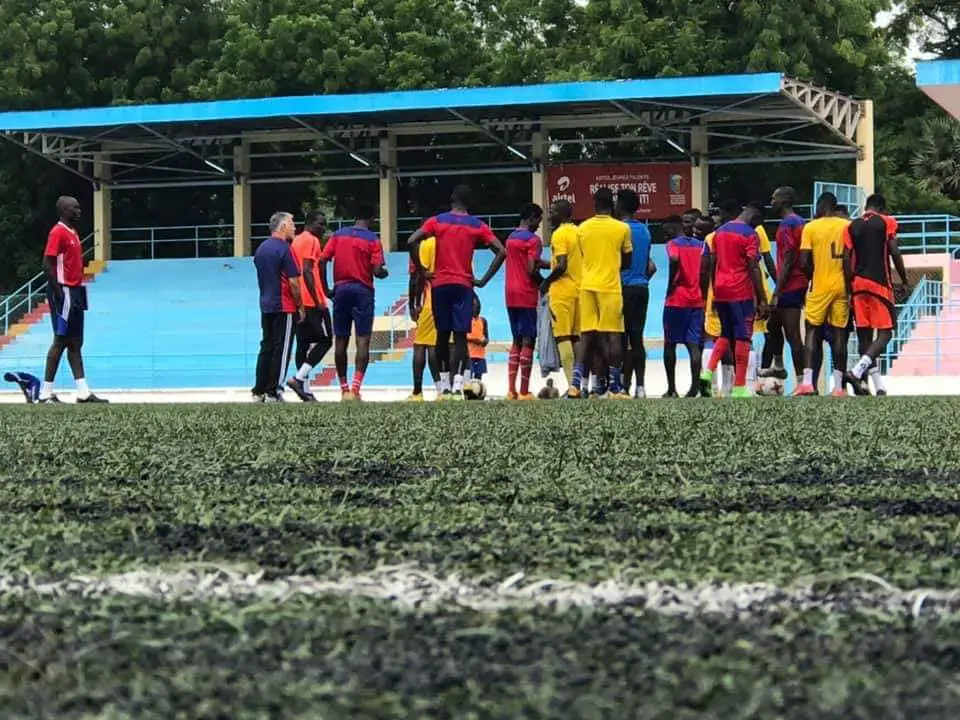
68 53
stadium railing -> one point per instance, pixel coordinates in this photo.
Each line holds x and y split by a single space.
33 292
929 233
924 304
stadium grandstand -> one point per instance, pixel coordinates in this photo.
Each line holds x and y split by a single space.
156 324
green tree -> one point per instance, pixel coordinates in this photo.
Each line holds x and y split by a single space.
935 22
936 161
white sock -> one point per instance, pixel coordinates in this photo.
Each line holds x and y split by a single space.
752 368
838 379
457 383
82 390
468 375
728 374
303 374
808 376
444 381
861 367
640 392
705 357
879 384
439 386
46 390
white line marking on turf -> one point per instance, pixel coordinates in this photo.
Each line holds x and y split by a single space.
413 587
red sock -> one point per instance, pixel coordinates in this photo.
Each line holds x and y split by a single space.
357 382
526 364
343 385
720 348
741 355
513 363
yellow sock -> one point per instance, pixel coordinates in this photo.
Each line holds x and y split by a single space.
566 360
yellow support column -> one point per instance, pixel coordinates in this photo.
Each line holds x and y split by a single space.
102 211
700 168
864 138
539 192
389 190
241 200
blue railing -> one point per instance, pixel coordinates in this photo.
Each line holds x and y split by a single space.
929 234
925 300
26 297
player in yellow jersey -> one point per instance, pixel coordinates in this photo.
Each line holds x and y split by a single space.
421 312
606 249
563 286
821 258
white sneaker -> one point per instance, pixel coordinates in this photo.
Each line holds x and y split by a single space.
639 394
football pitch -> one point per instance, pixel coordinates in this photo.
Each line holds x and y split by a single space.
661 559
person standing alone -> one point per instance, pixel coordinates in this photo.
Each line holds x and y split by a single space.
67 298
279 281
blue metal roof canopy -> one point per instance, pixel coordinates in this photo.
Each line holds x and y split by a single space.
940 79
192 143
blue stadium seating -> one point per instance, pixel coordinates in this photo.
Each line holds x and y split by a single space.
195 323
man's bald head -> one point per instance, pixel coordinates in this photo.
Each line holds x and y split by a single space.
68 208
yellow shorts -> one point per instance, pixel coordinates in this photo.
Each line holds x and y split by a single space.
828 307
565 310
601 311
426 328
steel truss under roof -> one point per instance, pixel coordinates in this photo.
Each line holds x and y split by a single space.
746 118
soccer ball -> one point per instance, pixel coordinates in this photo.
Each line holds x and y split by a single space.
770 387
474 390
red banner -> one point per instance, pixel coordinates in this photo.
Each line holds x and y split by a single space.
663 188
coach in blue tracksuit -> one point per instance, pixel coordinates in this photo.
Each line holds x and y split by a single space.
636 292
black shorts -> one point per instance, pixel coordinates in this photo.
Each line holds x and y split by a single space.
636 298
67 311
316 326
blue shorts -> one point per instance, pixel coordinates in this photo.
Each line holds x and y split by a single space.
66 314
352 305
736 318
452 308
792 300
478 367
683 325
523 322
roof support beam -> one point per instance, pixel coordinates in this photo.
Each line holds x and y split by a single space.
182 148
837 112
317 132
492 135
49 158
654 131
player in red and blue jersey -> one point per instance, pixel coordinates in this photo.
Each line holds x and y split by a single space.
357 259
457 234
738 294
522 295
791 291
683 313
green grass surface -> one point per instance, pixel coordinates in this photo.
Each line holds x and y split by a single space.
777 491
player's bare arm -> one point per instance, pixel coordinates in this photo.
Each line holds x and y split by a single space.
496 247
557 273
50 265
308 280
626 258
848 271
673 271
486 334
806 262
651 268
294 283
414 244
707 270
770 265
323 279
543 265
789 260
757 279
414 295
380 272
893 247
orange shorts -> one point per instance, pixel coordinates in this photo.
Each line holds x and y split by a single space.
872 311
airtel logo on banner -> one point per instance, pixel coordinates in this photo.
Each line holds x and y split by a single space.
563 183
